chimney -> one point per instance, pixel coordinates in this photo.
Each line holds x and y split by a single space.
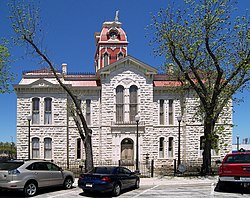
64 68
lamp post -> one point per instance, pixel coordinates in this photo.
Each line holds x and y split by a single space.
179 141
137 118
29 119
238 142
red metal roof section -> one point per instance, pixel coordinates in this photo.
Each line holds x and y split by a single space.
167 83
104 36
86 83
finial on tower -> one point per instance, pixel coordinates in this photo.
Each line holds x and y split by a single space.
116 16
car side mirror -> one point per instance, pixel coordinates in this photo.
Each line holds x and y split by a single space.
61 169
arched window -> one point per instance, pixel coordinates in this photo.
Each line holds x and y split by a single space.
133 102
35 111
119 103
161 148
35 148
47 111
47 148
120 55
105 59
170 147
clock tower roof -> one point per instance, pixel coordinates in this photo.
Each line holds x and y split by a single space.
111 32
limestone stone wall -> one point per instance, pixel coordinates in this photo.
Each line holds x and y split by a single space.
107 134
56 130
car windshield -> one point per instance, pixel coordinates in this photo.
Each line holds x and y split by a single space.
103 170
241 158
10 165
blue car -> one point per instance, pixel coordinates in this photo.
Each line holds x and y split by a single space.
112 179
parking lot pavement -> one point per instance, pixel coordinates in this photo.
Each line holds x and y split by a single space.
157 187
168 180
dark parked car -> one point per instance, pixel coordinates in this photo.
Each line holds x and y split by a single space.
28 176
108 179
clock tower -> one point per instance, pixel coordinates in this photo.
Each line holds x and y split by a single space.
111 43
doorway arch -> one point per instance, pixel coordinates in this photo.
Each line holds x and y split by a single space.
127 151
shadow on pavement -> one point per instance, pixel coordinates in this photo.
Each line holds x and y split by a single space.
101 195
232 188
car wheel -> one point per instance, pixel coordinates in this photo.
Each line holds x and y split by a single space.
116 190
137 184
30 189
68 182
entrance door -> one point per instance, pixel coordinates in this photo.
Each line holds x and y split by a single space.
127 152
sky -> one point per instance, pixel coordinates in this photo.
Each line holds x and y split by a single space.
69 27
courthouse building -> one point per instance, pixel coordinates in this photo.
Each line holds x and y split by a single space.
121 88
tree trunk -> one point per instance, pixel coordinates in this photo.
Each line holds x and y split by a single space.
209 124
88 151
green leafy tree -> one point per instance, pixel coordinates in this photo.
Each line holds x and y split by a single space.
209 51
26 23
7 150
6 76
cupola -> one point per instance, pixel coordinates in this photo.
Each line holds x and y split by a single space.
111 43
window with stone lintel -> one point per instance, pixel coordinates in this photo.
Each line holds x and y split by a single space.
35 110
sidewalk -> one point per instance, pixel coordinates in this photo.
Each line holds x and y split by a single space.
168 180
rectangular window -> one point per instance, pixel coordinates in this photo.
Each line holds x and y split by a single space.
119 113
133 102
161 148
47 111
88 111
161 112
35 148
119 103
170 147
47 148
170 112
35 111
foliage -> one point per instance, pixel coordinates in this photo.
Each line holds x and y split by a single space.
6 76
209 51
26 23
7 149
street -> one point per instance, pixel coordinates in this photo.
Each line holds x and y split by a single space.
157 189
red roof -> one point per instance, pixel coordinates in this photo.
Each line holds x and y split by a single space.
87 83
167 83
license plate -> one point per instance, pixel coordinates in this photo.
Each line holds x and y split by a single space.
245 179
89 185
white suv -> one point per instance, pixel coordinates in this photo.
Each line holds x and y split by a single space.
30 175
